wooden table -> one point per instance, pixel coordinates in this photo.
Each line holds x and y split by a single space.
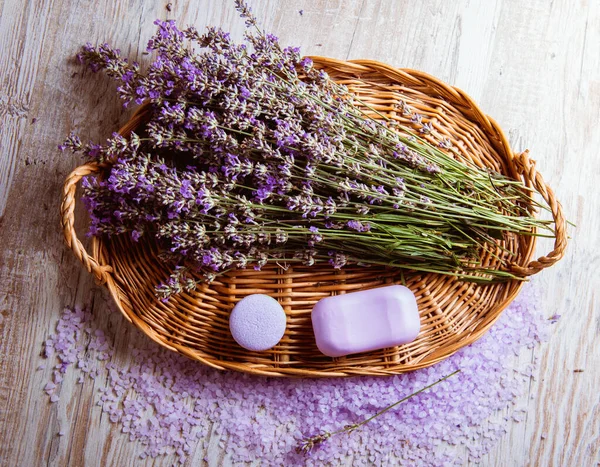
534 66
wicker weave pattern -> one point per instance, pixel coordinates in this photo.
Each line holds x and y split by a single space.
453 313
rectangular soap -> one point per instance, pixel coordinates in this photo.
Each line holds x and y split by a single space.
366 320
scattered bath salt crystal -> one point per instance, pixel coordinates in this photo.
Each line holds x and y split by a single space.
49 388
48 349
168 403
41 367
54 398
61 433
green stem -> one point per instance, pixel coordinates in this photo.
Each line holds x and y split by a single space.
309 443
390 407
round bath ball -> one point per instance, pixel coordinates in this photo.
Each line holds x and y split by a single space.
257 322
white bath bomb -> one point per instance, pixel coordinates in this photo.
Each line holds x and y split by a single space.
257 322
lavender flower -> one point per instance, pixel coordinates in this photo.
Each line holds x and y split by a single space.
358 226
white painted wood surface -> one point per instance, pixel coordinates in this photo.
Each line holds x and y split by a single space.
534 66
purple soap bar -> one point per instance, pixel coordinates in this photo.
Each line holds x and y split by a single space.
366 320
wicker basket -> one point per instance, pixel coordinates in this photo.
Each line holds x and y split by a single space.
453 313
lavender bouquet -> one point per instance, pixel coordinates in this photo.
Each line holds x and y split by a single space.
251 155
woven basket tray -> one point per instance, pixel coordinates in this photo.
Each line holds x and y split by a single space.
453 313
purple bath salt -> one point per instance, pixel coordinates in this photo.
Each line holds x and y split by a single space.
257 322
444 426
366 320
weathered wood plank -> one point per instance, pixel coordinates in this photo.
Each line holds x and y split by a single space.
534 66
543 89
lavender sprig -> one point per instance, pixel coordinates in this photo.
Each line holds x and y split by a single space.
308 444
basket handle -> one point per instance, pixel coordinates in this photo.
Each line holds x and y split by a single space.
67 207
67 211
526 167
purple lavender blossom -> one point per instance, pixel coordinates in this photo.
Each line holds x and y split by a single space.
358 226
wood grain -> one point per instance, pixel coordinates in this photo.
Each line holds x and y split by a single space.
534 66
